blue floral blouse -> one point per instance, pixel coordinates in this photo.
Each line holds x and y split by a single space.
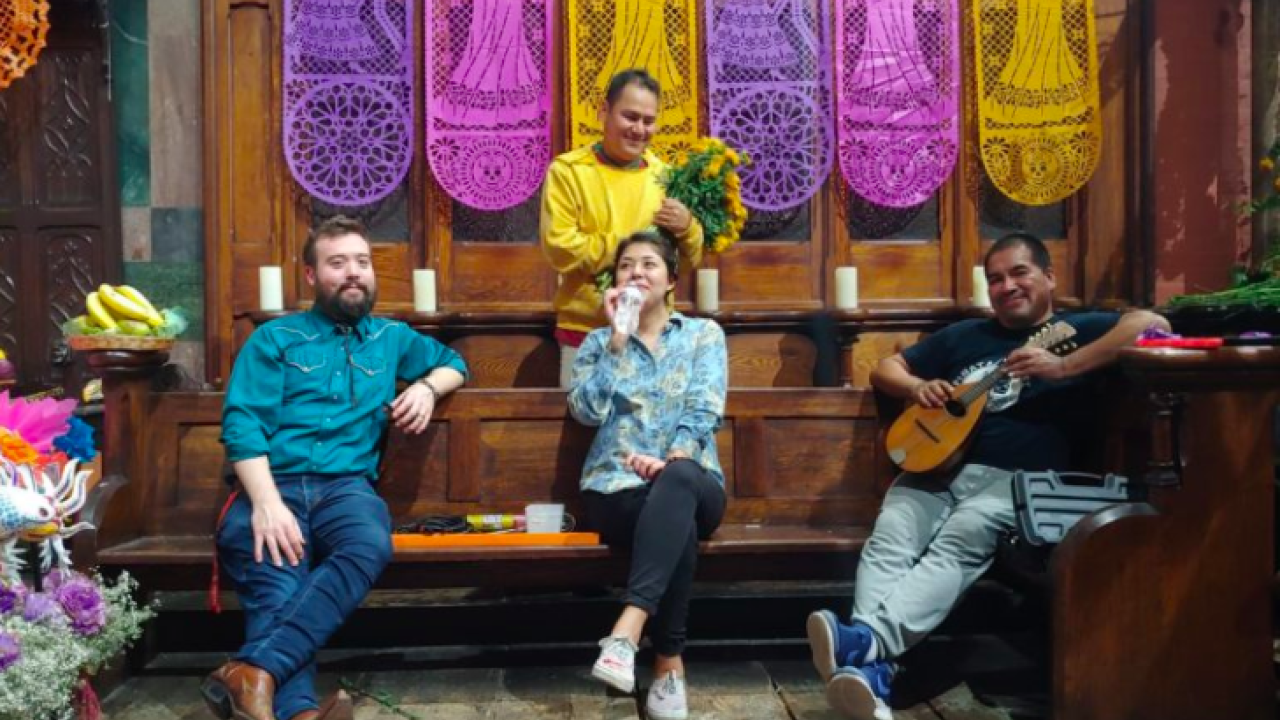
650 403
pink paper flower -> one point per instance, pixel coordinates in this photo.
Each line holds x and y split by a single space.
38 422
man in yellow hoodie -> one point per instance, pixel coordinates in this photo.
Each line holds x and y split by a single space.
596 196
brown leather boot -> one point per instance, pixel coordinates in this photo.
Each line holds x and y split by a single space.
240 691
337 707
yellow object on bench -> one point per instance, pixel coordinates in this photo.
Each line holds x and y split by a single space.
402 541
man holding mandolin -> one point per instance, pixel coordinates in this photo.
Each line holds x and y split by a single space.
939 524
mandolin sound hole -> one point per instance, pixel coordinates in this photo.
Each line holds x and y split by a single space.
954 408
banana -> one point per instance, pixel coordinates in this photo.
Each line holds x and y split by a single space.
153 318
93 304
122 306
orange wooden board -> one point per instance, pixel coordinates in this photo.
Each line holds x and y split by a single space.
402 541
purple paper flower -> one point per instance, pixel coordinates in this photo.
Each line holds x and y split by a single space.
57 577
10 650
82 602
12 597
1155 332
43 609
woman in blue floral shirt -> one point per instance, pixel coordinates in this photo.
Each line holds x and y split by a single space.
652 480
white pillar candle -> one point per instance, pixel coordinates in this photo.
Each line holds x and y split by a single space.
424 291
981 298
708 295
270 288
846 288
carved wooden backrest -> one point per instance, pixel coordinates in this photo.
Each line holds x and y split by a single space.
790 456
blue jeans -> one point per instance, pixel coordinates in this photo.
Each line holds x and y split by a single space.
290 612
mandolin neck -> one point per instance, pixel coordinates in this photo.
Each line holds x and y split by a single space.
983 386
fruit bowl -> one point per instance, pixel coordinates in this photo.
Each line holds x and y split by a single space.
121 318
118 342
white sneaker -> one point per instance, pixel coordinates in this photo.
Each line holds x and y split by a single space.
667 698
616 666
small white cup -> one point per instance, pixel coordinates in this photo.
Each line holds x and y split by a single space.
543 517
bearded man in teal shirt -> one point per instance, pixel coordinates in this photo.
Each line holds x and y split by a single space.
306 536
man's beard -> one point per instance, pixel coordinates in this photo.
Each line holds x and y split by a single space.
342 310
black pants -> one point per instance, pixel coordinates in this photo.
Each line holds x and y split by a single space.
661 522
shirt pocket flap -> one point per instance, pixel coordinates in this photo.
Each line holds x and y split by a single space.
305 359
369 364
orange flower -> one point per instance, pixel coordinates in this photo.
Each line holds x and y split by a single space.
15 449
58 458
1267 164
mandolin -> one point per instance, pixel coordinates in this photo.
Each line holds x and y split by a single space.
925 439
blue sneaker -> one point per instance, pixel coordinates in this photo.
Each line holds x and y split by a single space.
835 644
862 693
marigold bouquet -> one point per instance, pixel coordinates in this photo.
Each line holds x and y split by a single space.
705 178
52 640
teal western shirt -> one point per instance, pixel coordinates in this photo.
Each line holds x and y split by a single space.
310 394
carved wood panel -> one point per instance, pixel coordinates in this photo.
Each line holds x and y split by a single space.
59 219
9 317
67 155
72 269
9 144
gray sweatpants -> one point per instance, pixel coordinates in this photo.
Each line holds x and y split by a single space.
931 542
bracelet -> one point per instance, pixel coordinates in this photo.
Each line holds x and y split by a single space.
435 394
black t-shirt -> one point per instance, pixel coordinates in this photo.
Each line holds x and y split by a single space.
1030 423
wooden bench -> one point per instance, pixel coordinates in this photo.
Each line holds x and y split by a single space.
801 466
1148 598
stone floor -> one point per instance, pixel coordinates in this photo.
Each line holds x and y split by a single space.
784 690
393 685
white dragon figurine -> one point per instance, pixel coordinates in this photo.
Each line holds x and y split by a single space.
38 506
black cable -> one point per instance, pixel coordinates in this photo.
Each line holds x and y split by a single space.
435 525
457 524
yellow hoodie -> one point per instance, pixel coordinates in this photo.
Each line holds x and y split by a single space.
587 209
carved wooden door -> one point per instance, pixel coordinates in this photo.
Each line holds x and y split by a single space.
58 200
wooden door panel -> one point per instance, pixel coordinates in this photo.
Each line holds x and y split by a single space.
72 262
59 215
10 318
67 159
498 276
245 180
893 271
769 274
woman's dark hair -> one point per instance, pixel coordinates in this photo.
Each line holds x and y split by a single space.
666 250
634 76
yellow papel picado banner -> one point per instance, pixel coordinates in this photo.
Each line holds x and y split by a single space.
607 36
1039 115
